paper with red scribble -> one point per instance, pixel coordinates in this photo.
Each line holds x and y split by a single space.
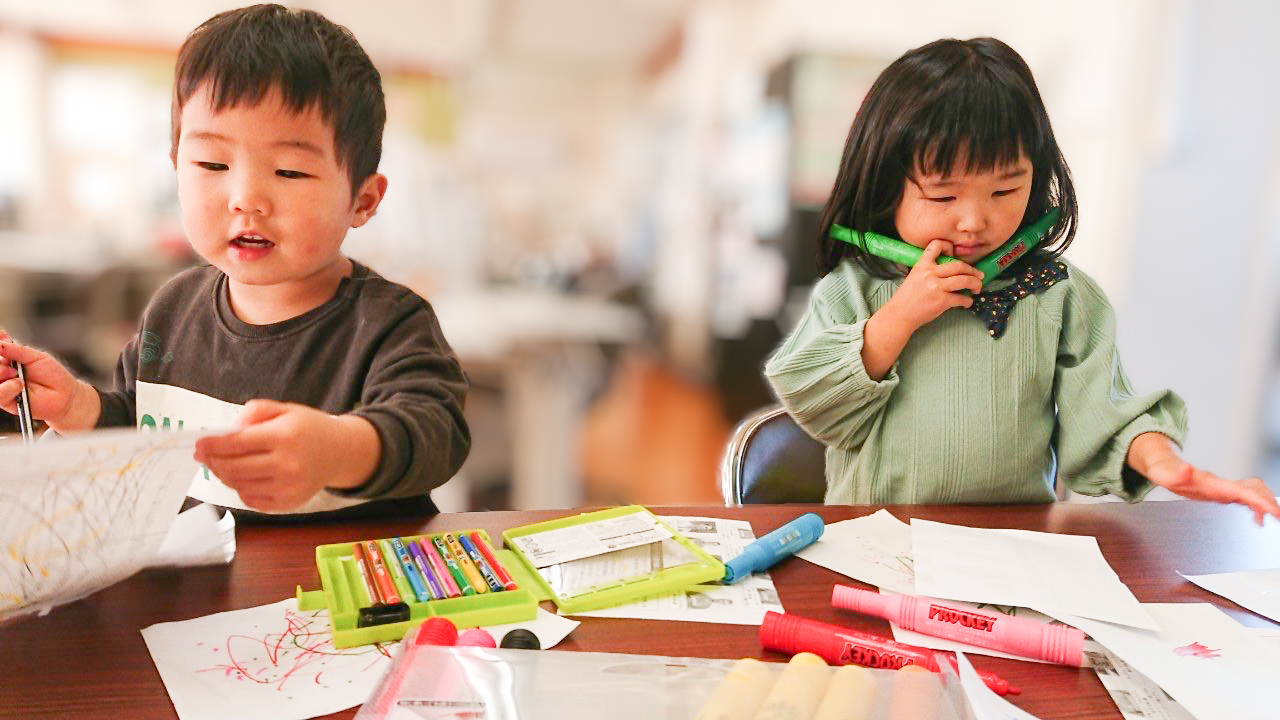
1216 668
272 662
1195 649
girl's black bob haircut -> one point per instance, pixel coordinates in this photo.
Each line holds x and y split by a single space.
244 54
950 99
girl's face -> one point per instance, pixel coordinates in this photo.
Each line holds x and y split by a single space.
973 213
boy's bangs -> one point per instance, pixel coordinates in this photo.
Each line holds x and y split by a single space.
976 130
300 88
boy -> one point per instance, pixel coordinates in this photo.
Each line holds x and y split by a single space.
348 399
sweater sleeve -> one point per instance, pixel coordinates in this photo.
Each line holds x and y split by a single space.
1098 413
414 395
817 373
119 406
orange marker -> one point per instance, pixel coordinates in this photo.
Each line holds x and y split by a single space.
381 575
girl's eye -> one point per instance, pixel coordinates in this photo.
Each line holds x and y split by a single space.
943 199
215 167
291 174
1002 193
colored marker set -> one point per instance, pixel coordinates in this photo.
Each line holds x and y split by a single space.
376 590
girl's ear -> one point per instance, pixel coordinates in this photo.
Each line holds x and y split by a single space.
367 198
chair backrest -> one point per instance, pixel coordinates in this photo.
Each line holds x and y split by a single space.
769 459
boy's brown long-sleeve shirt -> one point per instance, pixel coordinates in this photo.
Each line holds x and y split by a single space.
374 350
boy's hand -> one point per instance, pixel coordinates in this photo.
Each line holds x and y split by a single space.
284 453
56 396
1183 478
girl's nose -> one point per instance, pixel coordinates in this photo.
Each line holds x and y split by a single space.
248 196
973 219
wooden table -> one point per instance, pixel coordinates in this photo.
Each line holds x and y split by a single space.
88 659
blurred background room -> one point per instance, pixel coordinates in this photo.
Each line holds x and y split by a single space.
612 204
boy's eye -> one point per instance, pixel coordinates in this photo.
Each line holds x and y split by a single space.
216 167
292 174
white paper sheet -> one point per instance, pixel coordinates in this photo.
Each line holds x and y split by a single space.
275 662
983 701
198 537
875 549
1055 574
743 603
1257 590
1134 694
83 512
1213 666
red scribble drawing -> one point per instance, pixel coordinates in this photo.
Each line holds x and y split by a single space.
304 649
1195 649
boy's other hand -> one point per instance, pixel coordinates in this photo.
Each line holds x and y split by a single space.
285 453
56 396
1186 480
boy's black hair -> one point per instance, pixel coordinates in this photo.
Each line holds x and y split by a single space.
243 54
972 99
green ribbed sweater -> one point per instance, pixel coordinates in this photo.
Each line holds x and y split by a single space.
962 417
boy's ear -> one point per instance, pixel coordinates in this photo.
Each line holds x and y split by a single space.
367 198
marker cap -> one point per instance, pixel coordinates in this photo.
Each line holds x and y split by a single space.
521 639
436 631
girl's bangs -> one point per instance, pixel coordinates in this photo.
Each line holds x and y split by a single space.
972 131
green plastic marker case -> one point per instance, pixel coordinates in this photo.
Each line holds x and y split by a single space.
341 593
705 568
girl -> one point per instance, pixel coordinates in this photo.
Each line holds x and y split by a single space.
928 388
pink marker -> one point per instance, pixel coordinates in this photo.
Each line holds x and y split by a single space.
1061 644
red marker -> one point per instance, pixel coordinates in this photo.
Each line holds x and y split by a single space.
362 564
843 646
492 559
381 576
1060 644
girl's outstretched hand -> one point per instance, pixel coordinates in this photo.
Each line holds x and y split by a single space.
1183 478
56 396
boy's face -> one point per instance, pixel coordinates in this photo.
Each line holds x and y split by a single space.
264 197
973 213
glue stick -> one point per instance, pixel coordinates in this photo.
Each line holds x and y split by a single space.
851 695
740 693
798 690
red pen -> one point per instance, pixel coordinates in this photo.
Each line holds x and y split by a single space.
380 573
494 565
843 646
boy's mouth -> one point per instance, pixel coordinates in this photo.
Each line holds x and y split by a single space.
251 240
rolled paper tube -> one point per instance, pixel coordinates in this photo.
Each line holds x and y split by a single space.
798 690
740 693
916 692
851 695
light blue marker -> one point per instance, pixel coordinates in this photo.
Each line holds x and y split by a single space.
768 550
410 570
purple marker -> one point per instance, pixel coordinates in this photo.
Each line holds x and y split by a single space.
424 566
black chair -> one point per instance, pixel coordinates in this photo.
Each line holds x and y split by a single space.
769 459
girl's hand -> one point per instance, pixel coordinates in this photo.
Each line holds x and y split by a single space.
56 396
931 289
1186 480
285 453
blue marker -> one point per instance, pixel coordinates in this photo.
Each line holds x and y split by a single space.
768 550
410 570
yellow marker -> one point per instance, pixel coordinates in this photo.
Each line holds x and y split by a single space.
916 692
464 561
798 690
851 695
740 692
